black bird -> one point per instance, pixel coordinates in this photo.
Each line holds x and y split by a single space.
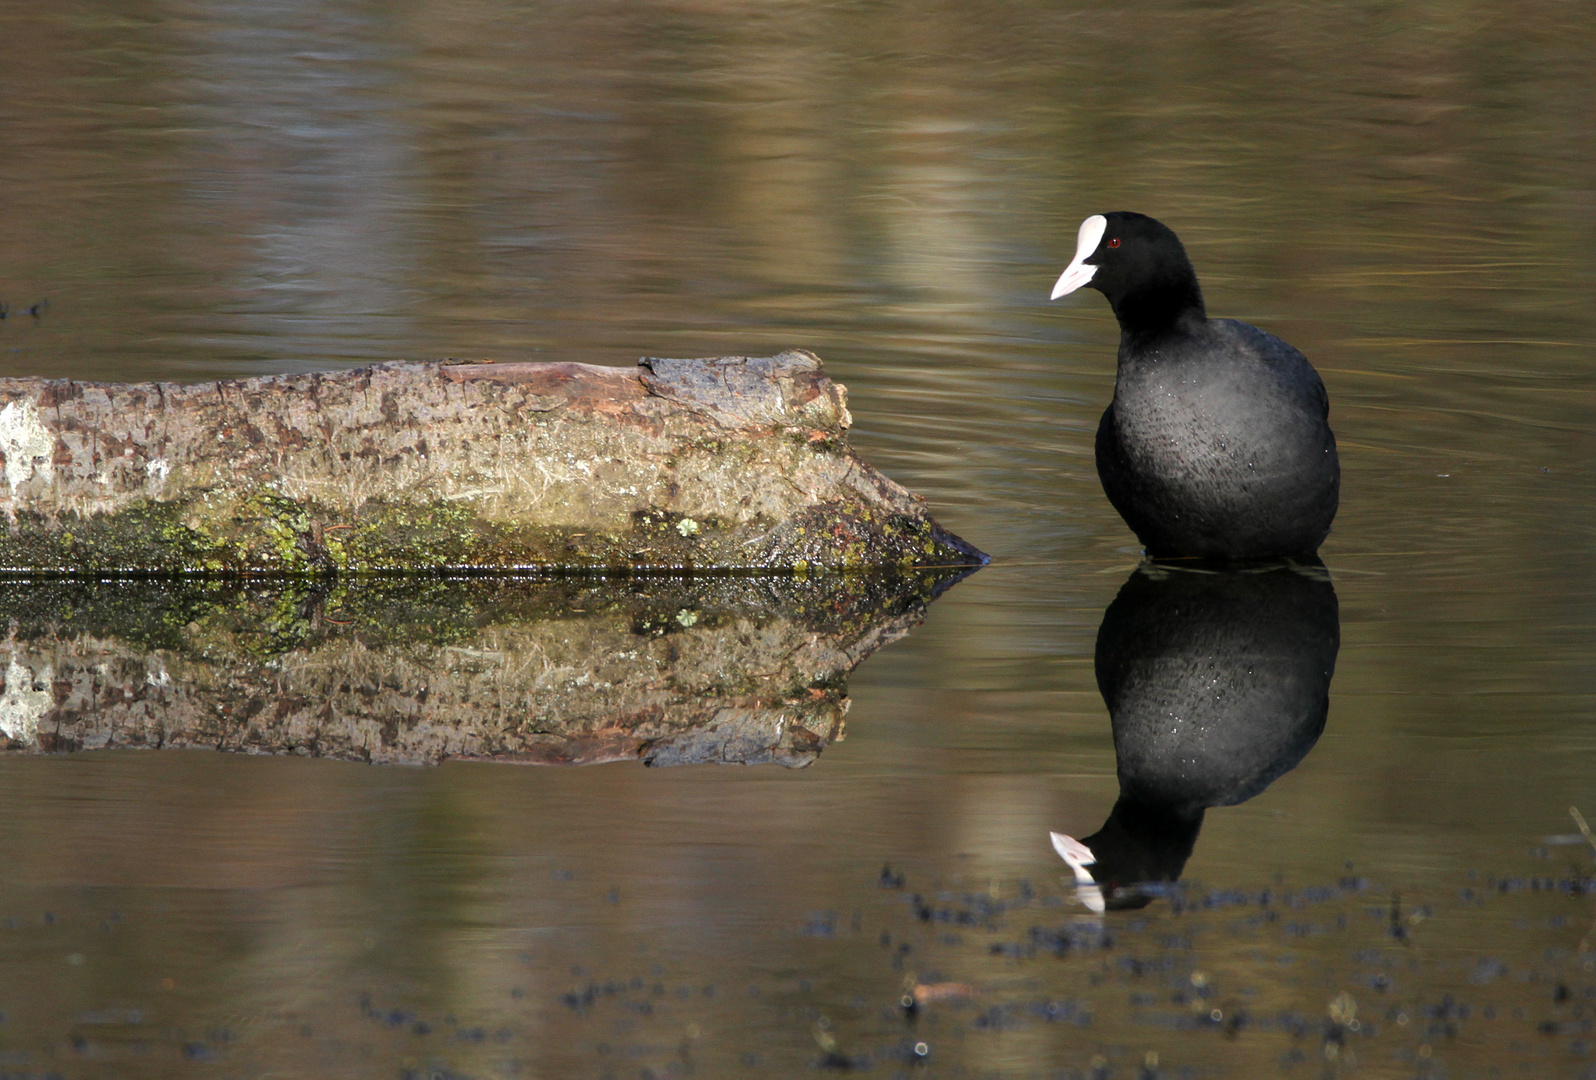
1217 444
1217 684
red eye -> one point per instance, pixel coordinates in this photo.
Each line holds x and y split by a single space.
1114 242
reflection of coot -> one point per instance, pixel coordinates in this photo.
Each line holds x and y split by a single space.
1217 684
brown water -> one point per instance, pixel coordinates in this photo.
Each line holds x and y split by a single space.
1403 191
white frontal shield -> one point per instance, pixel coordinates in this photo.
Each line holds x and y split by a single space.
1078 273
1079 856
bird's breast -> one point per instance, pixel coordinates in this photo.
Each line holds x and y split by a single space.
1214 441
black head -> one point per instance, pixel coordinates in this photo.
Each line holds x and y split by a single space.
1140 265
1141 843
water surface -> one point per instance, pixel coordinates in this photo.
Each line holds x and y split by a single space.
201 189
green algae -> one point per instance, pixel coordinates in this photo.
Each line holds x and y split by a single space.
260 531
258 618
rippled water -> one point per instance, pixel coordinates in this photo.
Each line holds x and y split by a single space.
196 189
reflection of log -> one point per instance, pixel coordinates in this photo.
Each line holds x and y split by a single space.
727 668
732 462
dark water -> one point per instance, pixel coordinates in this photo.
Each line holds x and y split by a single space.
1403 191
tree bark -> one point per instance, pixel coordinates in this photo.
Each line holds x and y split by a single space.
723 463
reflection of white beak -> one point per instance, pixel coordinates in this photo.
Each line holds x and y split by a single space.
1078 273
1079 857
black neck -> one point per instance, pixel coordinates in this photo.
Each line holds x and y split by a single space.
1157 308
1142 840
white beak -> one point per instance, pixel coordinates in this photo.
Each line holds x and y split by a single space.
1078 273
1077 854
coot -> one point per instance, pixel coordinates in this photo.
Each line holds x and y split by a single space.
1217 684
1217 444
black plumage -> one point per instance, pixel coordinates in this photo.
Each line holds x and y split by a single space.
1217 684
1217 444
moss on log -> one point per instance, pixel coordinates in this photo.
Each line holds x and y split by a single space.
732 462
571 670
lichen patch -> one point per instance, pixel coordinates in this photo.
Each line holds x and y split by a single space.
21 706
27 444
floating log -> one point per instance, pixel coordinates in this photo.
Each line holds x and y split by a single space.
733 462
567 670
